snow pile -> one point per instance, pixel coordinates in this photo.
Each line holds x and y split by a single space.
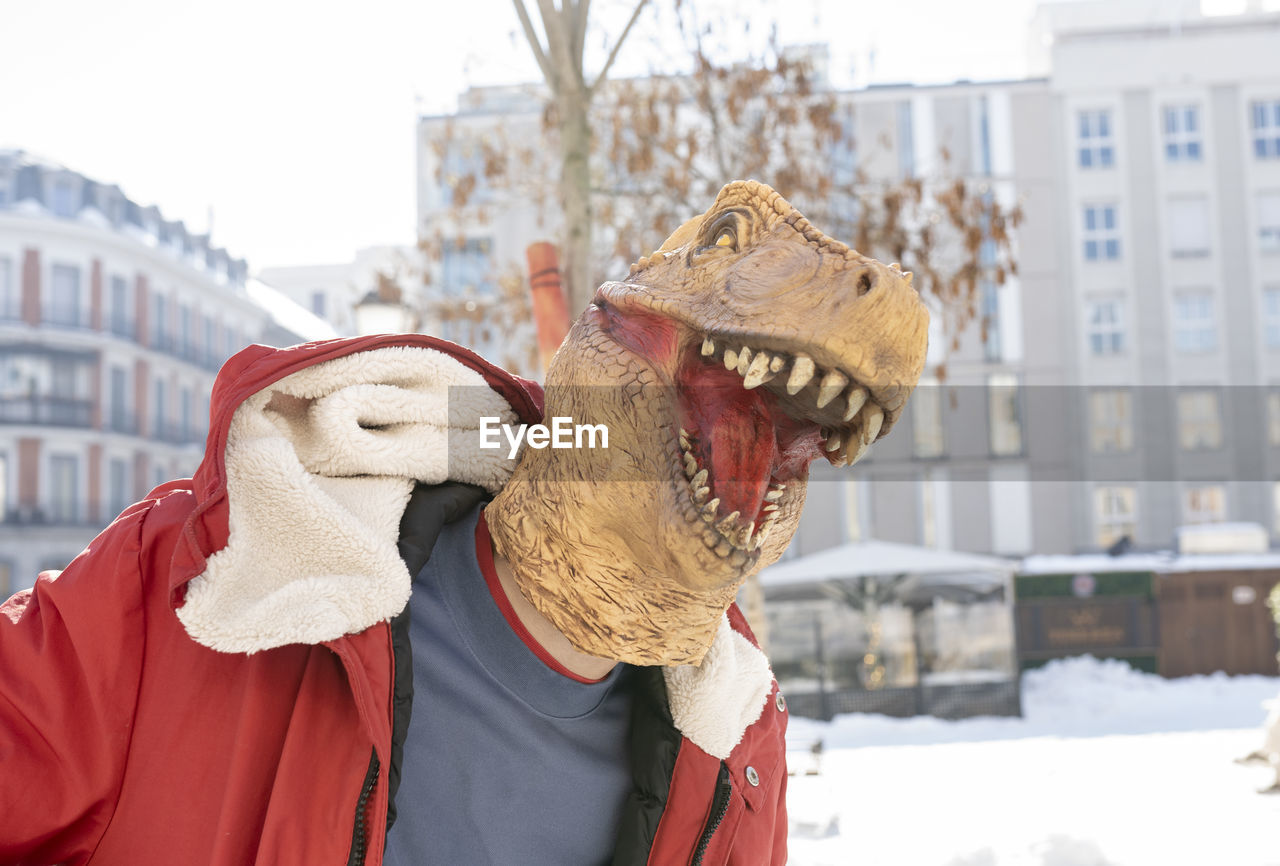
1109 767
1078 697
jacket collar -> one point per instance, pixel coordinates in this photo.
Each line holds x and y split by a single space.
310 462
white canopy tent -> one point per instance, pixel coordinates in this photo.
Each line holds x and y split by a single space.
925 567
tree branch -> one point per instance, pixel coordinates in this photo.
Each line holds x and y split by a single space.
534 45
553 26
613 54
578 33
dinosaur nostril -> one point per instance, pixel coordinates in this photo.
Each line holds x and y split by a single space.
864 283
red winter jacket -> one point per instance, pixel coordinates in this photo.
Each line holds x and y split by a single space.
210 682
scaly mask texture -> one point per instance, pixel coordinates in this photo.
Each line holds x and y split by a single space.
747 346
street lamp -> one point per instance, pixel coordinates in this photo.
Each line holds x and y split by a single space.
381 311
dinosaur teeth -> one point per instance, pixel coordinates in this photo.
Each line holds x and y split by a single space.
709 510
832 384
874 420
834 441
744 360
700 495
775 492
857 397
699 480
708 346
728 525
801 372
770 508
690 465
756 372
744 537
730 359
777 363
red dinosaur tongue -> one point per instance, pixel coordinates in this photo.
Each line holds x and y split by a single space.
735 438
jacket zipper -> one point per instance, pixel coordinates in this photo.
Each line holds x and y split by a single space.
719 808
360 835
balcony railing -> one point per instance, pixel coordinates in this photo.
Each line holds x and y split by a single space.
175 433
51 411
123 327
123 421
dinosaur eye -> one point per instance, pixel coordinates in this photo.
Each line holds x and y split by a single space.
726 237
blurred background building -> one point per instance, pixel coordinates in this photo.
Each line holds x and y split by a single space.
1120 383
113 324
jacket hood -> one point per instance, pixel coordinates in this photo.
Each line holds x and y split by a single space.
312 454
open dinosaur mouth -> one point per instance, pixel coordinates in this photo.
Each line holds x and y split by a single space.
751 420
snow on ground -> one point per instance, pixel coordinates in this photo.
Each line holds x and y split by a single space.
1108 767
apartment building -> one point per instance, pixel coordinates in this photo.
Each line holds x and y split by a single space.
1126 381
113 324
1166 132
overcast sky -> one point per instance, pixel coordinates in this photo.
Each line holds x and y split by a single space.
294 121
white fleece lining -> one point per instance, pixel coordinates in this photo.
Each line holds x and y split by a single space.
714 703
315 499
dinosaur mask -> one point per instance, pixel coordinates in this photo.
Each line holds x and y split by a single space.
746 347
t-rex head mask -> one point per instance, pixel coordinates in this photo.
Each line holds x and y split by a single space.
747 346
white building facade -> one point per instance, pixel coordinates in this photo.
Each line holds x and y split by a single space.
113 324
1129 379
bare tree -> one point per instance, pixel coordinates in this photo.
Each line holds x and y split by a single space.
559 52
639 156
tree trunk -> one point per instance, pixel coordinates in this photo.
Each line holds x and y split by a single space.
575 199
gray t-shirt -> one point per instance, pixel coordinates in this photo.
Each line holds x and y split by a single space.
506 760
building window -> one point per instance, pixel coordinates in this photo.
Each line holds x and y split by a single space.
121 418
1104 326
1199 421
64 301
1204 503
1004 415
186 411
1101 233
10 304
63 486
210 348
1115 510
853 510
4 489
1269 221
184 331
466 268
1110 421
318 303
926 420
1189 227
64 198
122 311
160 323
1182 133
1271 316
160 416
1096 147
990 292
1266 129
1273 419
906 141
117 485
1194 328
